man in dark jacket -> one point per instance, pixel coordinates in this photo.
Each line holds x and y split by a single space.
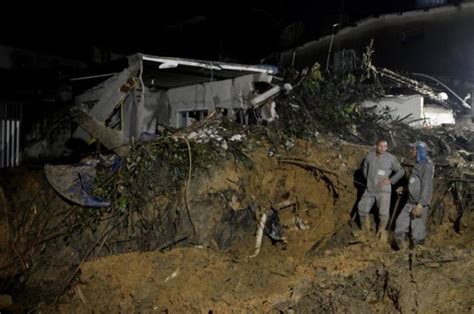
420 188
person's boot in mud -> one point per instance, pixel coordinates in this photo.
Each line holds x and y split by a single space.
364 233
401 242
419 246
382 234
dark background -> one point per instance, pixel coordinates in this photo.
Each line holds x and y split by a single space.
241 31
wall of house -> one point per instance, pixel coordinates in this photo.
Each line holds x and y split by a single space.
100 101
400 107
164 107
437 115
439 41
421 115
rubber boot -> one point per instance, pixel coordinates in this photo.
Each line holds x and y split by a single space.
419 246
366 229
383 234
402 242
364 233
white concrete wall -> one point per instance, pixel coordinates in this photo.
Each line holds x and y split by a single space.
401 106
436 115
165 106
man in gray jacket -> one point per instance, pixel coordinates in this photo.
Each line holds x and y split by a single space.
420 188
378 167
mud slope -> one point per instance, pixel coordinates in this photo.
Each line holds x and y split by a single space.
321 269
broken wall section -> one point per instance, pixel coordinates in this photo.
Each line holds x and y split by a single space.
169 107
412 110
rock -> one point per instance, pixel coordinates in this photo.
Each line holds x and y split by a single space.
235 204
192 135
236 137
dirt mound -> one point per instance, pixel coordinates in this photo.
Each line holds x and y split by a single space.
318 266
358 278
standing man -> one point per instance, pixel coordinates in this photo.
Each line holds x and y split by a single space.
420 189
378 167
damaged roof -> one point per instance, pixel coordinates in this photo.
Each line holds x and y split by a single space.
166 72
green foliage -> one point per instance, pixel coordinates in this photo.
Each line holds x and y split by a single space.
328 103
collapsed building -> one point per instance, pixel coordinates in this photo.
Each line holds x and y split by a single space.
147 94
154 92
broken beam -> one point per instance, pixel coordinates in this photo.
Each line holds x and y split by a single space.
111 139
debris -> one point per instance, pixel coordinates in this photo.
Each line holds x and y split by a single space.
111 139
273 227
259 99
300 224
235 204
288 88
284 204
237 137
224 145
75 183
272 151
172 243
268 112
173 275
259 237
289 144
78 291
193 135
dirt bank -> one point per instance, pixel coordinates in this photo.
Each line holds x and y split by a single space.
319 268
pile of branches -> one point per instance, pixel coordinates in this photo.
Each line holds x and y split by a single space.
163 168
330 104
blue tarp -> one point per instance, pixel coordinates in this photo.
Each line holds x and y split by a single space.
76 182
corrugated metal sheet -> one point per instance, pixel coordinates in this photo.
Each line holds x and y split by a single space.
10 125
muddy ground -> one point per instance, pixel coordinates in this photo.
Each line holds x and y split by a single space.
321 268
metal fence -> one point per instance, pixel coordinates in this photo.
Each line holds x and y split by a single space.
10 125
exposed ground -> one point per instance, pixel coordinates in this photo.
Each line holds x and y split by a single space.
321 269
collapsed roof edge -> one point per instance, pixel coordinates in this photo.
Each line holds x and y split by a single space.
212 65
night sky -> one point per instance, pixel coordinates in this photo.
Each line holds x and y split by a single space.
241 31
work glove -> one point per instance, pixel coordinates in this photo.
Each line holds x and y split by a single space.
417 211
400 190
